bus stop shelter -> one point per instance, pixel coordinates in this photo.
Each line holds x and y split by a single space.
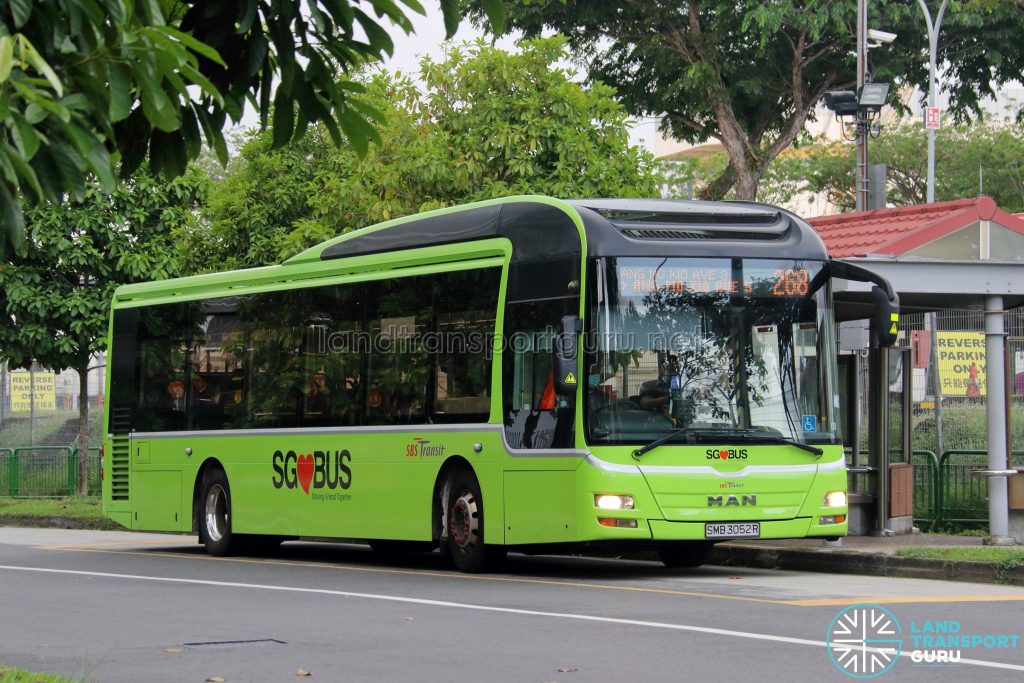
966 254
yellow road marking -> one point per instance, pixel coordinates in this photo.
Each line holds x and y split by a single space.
90 546
108 548
898 599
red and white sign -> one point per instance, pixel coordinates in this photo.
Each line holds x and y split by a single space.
931 118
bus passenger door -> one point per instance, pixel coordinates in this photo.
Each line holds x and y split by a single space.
538 485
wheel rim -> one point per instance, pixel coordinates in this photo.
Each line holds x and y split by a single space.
464 522
216 513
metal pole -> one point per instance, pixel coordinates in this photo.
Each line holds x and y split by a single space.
3 392
862 129
933 364
995 389
933 46
32 404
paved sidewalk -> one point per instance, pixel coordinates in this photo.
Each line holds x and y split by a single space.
872 555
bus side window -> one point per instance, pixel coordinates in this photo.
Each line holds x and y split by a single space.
465 308
398 372
535 416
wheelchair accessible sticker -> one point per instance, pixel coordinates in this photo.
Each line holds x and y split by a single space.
810 423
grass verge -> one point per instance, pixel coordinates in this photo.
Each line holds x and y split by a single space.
78 513
9 675
1003 560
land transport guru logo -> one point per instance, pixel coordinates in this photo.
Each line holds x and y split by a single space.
319 470
866 640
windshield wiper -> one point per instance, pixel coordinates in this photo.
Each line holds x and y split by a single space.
748 435
668 437
757 436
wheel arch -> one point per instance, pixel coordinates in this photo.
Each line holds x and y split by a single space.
197 487
449 468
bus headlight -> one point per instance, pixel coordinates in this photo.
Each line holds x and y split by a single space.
835 499
607 501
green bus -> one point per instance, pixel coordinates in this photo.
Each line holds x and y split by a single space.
524 373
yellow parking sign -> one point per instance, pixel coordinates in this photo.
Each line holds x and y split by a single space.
961 357
21 391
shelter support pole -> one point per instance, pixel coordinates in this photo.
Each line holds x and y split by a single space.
878 434
995 393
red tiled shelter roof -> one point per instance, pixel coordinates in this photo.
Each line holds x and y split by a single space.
898 230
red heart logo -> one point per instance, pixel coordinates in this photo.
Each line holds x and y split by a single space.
304 468
724 455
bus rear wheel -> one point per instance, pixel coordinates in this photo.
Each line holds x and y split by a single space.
685 553
215 514
465 526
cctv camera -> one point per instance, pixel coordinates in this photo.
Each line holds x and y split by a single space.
880 36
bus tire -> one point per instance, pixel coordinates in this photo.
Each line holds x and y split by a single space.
685 553
215 515
465 521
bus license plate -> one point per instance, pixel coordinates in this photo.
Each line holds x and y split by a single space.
733 530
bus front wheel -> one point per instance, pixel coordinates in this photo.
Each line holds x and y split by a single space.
215 514
465 526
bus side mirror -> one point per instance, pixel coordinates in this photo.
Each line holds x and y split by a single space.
566 360
885 317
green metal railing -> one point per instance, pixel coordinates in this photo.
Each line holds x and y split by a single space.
45 471
946 491
926 488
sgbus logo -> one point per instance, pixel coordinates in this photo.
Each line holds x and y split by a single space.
319 469
726 453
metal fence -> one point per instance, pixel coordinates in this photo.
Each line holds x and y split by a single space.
946 492
45 471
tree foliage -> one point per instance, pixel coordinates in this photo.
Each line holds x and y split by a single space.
749 74
87 83
484 123
55 293
984 158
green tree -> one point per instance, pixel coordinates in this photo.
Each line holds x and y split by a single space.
983 158
750 74
55 293
87 83
484 123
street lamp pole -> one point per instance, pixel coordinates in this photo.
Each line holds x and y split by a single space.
933 45
862 131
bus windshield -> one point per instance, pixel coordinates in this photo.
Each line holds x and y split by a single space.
712 349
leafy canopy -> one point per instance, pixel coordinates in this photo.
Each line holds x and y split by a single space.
55 294
750 74
983 158
483 123
85 83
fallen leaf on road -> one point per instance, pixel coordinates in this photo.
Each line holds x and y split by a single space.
736 577
567 670
409 618
302 672
174 649
215 679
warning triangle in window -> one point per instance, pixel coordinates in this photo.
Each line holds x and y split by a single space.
569 379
